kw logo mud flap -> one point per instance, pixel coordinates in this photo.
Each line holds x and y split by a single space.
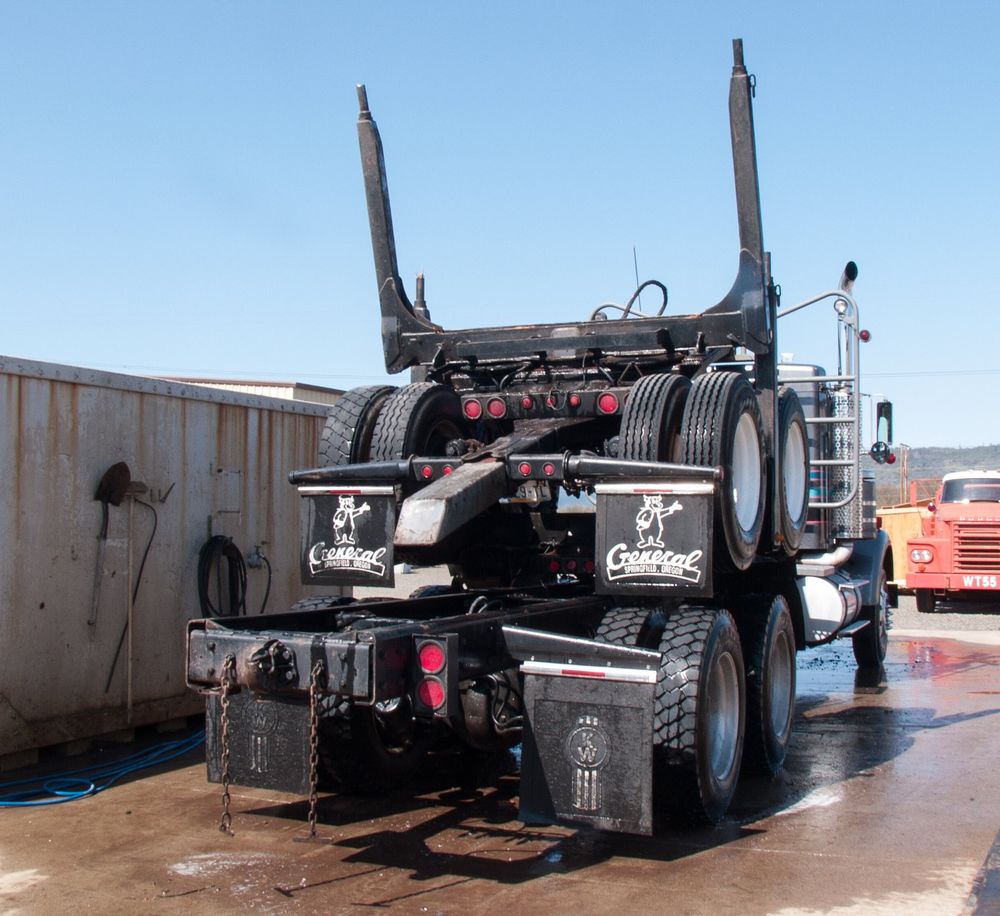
587 756
349 535
654 538
268 742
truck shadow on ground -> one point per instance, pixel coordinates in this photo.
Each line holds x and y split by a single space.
442 830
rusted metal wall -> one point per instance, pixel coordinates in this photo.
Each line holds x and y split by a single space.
215 462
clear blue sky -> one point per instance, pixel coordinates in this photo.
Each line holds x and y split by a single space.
180 187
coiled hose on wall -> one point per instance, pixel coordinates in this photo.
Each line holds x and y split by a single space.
218 553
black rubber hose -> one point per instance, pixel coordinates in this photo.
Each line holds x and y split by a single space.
213 552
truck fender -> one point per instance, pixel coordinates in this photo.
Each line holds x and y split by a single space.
866 562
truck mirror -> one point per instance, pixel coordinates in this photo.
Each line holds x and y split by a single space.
883 415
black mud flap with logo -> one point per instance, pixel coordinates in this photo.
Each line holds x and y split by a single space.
654 538
349 535
267 740
587 755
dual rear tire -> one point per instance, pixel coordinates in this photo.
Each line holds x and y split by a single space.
379 747
724 697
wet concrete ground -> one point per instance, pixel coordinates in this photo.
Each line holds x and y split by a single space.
889 803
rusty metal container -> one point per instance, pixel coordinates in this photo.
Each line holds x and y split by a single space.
213 463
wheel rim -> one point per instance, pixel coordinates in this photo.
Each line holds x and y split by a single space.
723 717
883 616
746 472
793 472
779 698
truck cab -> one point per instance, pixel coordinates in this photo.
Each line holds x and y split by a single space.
958 549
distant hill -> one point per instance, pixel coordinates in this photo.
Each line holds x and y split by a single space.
930 463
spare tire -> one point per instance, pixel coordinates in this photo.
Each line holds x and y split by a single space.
793 481
723 427
651 421
347 432
420 419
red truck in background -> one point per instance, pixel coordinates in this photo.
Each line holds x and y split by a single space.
958 549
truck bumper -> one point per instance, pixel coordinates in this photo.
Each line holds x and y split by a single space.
954 582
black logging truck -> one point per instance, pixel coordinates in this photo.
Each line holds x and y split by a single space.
645 516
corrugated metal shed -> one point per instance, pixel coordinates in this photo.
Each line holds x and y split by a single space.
215 462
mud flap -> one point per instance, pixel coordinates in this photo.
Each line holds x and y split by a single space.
587 754
349 535
268 742
654 538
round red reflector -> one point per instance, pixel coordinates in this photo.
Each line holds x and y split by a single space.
431 657
431 692
571 565
865 336
588 566
496 408
527 403
524 469
890 458
607 403
548 469
575 400
447 469
427 472
473 409
553 566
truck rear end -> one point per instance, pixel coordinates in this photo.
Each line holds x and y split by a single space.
645 517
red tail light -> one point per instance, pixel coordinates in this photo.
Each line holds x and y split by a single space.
473 409
496 408
607 403
527 403
430 692
432 657
575 400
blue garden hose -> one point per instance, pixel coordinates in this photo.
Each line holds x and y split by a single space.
74 784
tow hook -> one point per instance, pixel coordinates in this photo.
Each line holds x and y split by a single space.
272 668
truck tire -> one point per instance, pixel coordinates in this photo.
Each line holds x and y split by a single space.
793 481
651 421
872 642
419 419
321 603
767 637
925 601
723 426
623 626
370 748
347 432
699 714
